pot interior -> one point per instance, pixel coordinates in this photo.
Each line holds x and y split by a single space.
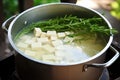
48 11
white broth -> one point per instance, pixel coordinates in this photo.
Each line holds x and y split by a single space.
58 47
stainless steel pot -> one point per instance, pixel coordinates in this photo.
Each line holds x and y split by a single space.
31 69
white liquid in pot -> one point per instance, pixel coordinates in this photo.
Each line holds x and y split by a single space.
58 47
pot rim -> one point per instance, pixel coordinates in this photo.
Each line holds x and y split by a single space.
56 64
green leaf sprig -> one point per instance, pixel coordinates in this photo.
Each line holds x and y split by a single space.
73 24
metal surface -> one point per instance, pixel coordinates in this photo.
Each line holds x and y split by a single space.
33 69
7 22
41 13
105 75
103 65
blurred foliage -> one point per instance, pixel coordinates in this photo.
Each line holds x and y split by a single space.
38 2
11 6
115 9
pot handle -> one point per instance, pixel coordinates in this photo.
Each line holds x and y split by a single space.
104 65
7 22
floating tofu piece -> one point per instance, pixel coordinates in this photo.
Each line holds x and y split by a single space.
37 32
57 43
51 33
48 48
38 55
69 57
66 56
43 40
67 33
59 53
29 41
51 57
58 59
34 39
22 45
36 46
43 34
68 39
60 47
61 35
30 53
48 57
53 38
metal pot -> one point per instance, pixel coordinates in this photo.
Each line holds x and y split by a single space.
31 69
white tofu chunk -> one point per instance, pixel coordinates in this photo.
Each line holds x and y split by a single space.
68 39
59 53
67 33
51 57
30 41
48 57
57 43
53 38
37 32
48 48
67 56
51 33
58 59
36 46
30 53
34 39
43 40
60 47
22 45
61 35
43 34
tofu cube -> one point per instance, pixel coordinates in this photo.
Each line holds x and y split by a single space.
57 43
59 53
48 48
68 39
43 40
53 38
29 41
37 32
58 59
51 33
22 45
43 34
51 58
34 39
36 46
67 33
30 53
61 35
69 57
48 57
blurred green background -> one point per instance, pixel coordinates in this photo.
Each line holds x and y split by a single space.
11 6
115 9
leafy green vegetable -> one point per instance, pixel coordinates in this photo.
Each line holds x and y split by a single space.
73 24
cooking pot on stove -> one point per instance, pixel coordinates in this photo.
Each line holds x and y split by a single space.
31 69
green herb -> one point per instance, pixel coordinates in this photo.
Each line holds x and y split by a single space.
73 24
